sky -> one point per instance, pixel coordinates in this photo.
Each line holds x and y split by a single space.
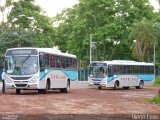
52 7
155 4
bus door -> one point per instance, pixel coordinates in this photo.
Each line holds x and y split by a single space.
110 72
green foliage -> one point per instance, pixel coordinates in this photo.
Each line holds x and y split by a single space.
26 26
157 81
155 100
145 34
16 37
107 20
113 23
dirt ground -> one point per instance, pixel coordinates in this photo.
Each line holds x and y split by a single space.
79 104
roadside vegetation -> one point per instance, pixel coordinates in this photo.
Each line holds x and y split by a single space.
157 82
122 30
156 99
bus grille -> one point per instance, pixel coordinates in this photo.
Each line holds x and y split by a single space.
20 78
21 85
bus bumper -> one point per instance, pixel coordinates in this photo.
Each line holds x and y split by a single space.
21 86
90 84
9 86
103 83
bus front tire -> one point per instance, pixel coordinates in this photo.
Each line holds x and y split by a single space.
40 91
47 87
99 87
141 84
67 89
116 85
18 91
125 88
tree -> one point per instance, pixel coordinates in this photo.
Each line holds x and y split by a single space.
145 35
16 37
25 26
107 20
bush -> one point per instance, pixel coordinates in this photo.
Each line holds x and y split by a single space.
155 100
157 81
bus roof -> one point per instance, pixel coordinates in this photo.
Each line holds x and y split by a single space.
124 62
47 50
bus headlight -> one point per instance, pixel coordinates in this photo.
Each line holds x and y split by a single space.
103 81
7 80
33 80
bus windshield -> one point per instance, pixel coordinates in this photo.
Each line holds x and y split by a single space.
21 65
98 70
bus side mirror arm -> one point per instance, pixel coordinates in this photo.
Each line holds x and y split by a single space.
91 75
45 71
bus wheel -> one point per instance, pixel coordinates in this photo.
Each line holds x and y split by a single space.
40 91
47 87
141 84
116 84
99 87
18 91
67 89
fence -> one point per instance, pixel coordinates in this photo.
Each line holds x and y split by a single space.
83 75
1 70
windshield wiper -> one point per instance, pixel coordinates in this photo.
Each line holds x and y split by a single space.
14 59
25 59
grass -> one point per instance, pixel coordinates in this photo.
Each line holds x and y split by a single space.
155 100
157 82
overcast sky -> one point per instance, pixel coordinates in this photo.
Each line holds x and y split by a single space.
52 7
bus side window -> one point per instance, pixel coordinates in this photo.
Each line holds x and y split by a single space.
57 61
46 60
75 64
52 65
110 71
116 69
67 63
63 62
41 62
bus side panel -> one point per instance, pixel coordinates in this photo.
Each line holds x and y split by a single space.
58 78
42 80
130 80
124 80
72 74
148 79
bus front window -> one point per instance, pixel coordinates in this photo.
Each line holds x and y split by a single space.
21 65
98 72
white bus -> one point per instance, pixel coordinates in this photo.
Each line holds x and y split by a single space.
41 69
121 73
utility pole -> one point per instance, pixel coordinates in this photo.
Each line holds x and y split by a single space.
90 48
154 61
